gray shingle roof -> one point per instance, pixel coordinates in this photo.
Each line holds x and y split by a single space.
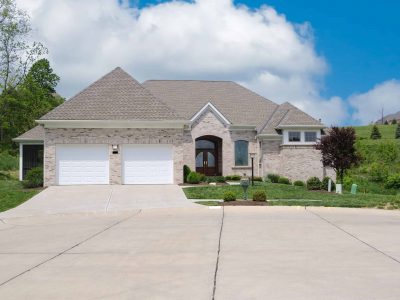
238 104
34 134
116 96
287 115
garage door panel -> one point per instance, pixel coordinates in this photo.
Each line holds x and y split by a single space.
82 164
147 164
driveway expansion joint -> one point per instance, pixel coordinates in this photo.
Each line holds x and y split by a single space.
218 253
354 237
70 248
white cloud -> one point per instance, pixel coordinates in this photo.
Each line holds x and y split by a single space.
368 106
204 39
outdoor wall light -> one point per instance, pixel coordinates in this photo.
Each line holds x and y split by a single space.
115 149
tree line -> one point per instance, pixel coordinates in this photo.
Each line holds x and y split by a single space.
27 81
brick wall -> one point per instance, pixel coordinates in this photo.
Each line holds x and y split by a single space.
110 137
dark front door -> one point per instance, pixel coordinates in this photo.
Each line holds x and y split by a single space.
206 162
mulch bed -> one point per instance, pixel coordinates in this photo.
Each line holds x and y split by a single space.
245 203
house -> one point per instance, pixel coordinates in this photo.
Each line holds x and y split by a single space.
118 131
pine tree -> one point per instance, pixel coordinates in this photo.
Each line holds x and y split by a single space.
375 134
394 121
397 135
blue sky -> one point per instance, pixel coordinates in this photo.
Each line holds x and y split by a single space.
338 62
359 39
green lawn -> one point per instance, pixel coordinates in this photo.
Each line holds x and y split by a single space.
13 194
292 195
387 131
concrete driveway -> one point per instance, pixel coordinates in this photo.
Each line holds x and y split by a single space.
201 253
100 198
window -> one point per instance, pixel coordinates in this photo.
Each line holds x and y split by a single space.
241 153
310 136
294 136
205 144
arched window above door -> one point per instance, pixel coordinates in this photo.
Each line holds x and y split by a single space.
205 144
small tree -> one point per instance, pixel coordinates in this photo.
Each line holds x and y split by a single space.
338 150
394 121
397 134
375 134
386 122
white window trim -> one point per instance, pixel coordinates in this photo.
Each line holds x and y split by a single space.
302 136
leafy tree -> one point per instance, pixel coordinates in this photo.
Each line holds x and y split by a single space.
31 99
394 121
375 134
16 53
397 134
338 150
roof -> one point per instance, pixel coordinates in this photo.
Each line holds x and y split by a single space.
34 134
238 104
288 115
116 96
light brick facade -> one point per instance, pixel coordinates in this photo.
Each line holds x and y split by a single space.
294 162
111 137
209 124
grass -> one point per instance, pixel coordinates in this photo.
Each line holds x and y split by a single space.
387 131
293 195
12 193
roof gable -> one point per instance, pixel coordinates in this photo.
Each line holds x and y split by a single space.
115 96
210 107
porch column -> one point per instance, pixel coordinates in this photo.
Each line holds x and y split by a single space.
20 161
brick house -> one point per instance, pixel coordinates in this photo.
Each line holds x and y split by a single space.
118 131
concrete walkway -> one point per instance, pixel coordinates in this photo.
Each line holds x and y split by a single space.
100 198
199 253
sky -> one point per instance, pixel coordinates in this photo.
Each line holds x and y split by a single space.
339 61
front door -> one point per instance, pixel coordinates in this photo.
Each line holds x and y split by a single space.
206 162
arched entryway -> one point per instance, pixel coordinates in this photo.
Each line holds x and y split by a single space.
209 155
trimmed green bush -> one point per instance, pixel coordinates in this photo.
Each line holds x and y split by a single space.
283 180
8 162
393 181
274 178
194 178
299 183
313 183
325 184
220 179
186 172
34 178
257 178
259 196
233 177
229 196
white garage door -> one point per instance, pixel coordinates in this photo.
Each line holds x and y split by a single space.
82 164
147 164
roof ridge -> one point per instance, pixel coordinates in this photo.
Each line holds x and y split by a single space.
196 80
269 119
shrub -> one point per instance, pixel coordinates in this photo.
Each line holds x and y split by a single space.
393 181
215 179
8 162
299 183
325 184
229 196
34 178
375 134
378 172
394 122
283 180
233 177
194 178
274 178
186 172
397 134
347 182
257 178
313 183
259 196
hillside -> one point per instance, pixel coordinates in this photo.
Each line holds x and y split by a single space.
381 158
